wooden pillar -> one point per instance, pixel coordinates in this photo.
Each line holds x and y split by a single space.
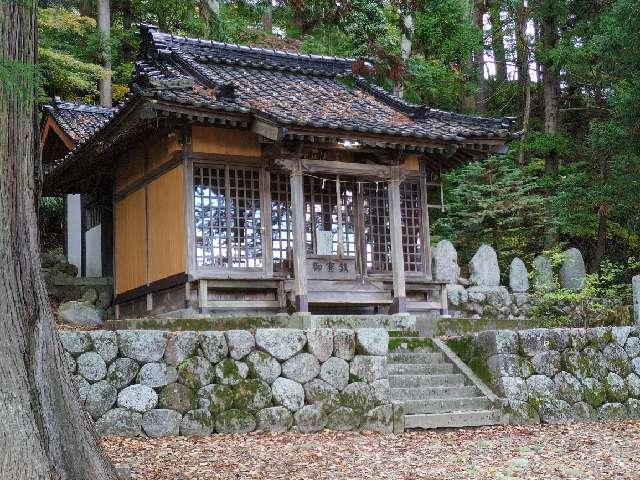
426 228
397 257
299 244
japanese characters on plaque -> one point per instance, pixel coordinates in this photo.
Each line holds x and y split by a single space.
330 268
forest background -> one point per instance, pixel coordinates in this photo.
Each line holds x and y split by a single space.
567 70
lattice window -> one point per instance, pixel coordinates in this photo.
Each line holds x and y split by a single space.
377 231
321 213
411 219
228 230
282 226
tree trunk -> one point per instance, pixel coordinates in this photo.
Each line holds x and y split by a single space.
548 30
267 18
478 58
406 43
522 52
601 244
104 24
497 41
44 432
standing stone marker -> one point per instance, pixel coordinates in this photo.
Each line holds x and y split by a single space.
518 276
543 273
636 298
483 267
572 272
445 262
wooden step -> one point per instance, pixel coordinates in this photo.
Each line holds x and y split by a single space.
474 418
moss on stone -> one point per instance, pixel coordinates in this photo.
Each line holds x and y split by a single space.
473 355
410 343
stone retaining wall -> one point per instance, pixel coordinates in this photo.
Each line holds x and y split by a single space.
160 383
555 375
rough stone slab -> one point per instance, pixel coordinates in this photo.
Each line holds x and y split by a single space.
240 343
368 368
633 408
509 365
180 346
251 395
142 345
320 392
301 368
445 262
534 340
82 386
572 272
542 273
616 360
71 362
372 341
547 363
457 294
554 410
632 347
344 343
235 421
320 343
310 418
274 419
381 390
594 392
578 339
216 398
616 388
263 366
120 422
288 393
156 375
518 276
138 398
498 341
633 385
105 344
496 297
122 372
568 387
231 372
213 346
83 314
635 282
514 389
483 267
91 366
541 387
358 396
161 423
335 372
583 411
196 372
612 411
198 422
75 342
176 396
620 334
379 419
100 397
344 419
281 343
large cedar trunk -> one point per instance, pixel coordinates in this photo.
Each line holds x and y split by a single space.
44 432
481 93
550 81
497 41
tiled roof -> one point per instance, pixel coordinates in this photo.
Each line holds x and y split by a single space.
78 120
290 89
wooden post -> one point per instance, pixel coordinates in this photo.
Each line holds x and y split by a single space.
299 244
397 256
339 218
265 218
426 229
203 295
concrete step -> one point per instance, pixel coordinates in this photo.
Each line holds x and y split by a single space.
446 405
454 419
412 381
411 344
420 368
407 357
432 393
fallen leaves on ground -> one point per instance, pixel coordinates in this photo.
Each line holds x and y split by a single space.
568 451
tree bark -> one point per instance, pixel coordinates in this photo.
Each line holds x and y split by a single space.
497 41
44 432
104 24
522 52
267 18
478 60
406 44
549 33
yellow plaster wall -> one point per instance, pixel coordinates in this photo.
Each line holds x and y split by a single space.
225 141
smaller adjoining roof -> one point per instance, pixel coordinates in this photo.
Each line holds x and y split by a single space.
78 120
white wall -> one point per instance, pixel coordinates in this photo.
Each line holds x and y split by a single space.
93 252
74 239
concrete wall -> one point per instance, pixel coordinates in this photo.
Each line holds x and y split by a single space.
159 383
93 252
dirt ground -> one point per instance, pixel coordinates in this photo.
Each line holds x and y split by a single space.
568 451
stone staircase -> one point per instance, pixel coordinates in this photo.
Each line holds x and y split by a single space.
434 391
